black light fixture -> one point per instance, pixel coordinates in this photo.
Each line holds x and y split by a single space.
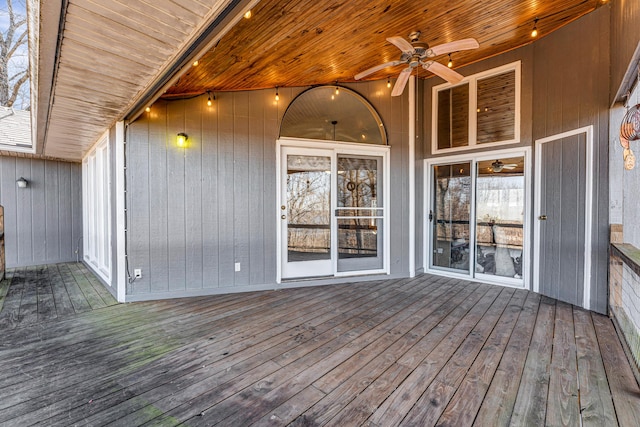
22 183
534 32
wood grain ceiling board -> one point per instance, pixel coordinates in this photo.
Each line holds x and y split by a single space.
111 51
310 42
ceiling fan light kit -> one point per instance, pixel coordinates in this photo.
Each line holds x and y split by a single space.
416 53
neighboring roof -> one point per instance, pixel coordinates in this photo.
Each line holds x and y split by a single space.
15 128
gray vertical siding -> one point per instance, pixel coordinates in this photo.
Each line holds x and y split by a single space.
625 44
565 81
43 222
195 212
574 95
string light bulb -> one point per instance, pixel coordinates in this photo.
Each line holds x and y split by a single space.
450 63
337 90
195 63
534 32
209 99
148 109
388 82
247 14
277 95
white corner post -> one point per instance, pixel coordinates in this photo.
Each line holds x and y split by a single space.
412 176
121 278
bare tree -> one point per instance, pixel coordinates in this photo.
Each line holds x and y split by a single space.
14 70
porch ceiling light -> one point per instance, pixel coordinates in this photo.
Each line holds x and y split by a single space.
22 183
181 139
534 32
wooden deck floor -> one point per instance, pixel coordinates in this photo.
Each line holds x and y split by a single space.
414 352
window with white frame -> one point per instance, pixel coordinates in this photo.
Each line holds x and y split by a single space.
482 110
97 209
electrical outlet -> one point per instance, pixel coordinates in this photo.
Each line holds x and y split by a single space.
237 266
137 273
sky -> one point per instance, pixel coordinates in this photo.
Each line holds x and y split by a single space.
21 59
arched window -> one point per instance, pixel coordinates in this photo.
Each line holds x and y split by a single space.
333 113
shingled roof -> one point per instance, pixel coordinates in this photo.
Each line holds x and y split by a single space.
15 128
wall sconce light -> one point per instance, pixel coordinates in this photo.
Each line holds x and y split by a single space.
22 183
181 140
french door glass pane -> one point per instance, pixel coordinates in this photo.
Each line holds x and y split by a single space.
308 208
500 198
451 213
359 213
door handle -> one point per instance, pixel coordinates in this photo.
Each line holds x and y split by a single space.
542 217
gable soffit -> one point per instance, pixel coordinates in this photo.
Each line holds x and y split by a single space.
96 59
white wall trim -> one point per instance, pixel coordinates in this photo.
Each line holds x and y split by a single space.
412 176
588 209
121 280
472 81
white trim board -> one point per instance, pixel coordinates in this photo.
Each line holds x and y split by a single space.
588 201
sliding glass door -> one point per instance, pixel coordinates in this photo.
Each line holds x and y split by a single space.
332 212
478 216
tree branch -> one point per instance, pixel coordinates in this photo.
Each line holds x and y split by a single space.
20 42
16 89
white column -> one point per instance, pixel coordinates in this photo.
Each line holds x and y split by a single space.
412 176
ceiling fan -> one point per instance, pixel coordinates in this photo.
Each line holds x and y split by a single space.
498 166
415 53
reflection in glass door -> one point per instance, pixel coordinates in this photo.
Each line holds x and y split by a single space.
477 218
450 216
359 213
307 214
500 204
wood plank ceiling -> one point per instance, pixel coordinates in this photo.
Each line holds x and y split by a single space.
113 50
310 42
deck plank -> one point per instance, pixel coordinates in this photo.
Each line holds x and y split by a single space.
498 403
464 405
564 410
622 383
422 351
595 396
64 307
531 402
229 364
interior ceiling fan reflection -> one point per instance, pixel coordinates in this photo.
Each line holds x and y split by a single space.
498 166
416 53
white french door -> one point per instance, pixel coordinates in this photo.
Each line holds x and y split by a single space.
332 210
477 216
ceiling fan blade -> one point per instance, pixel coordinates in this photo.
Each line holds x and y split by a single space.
401 44
464 44
398 88
377 68
510 166
443 71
